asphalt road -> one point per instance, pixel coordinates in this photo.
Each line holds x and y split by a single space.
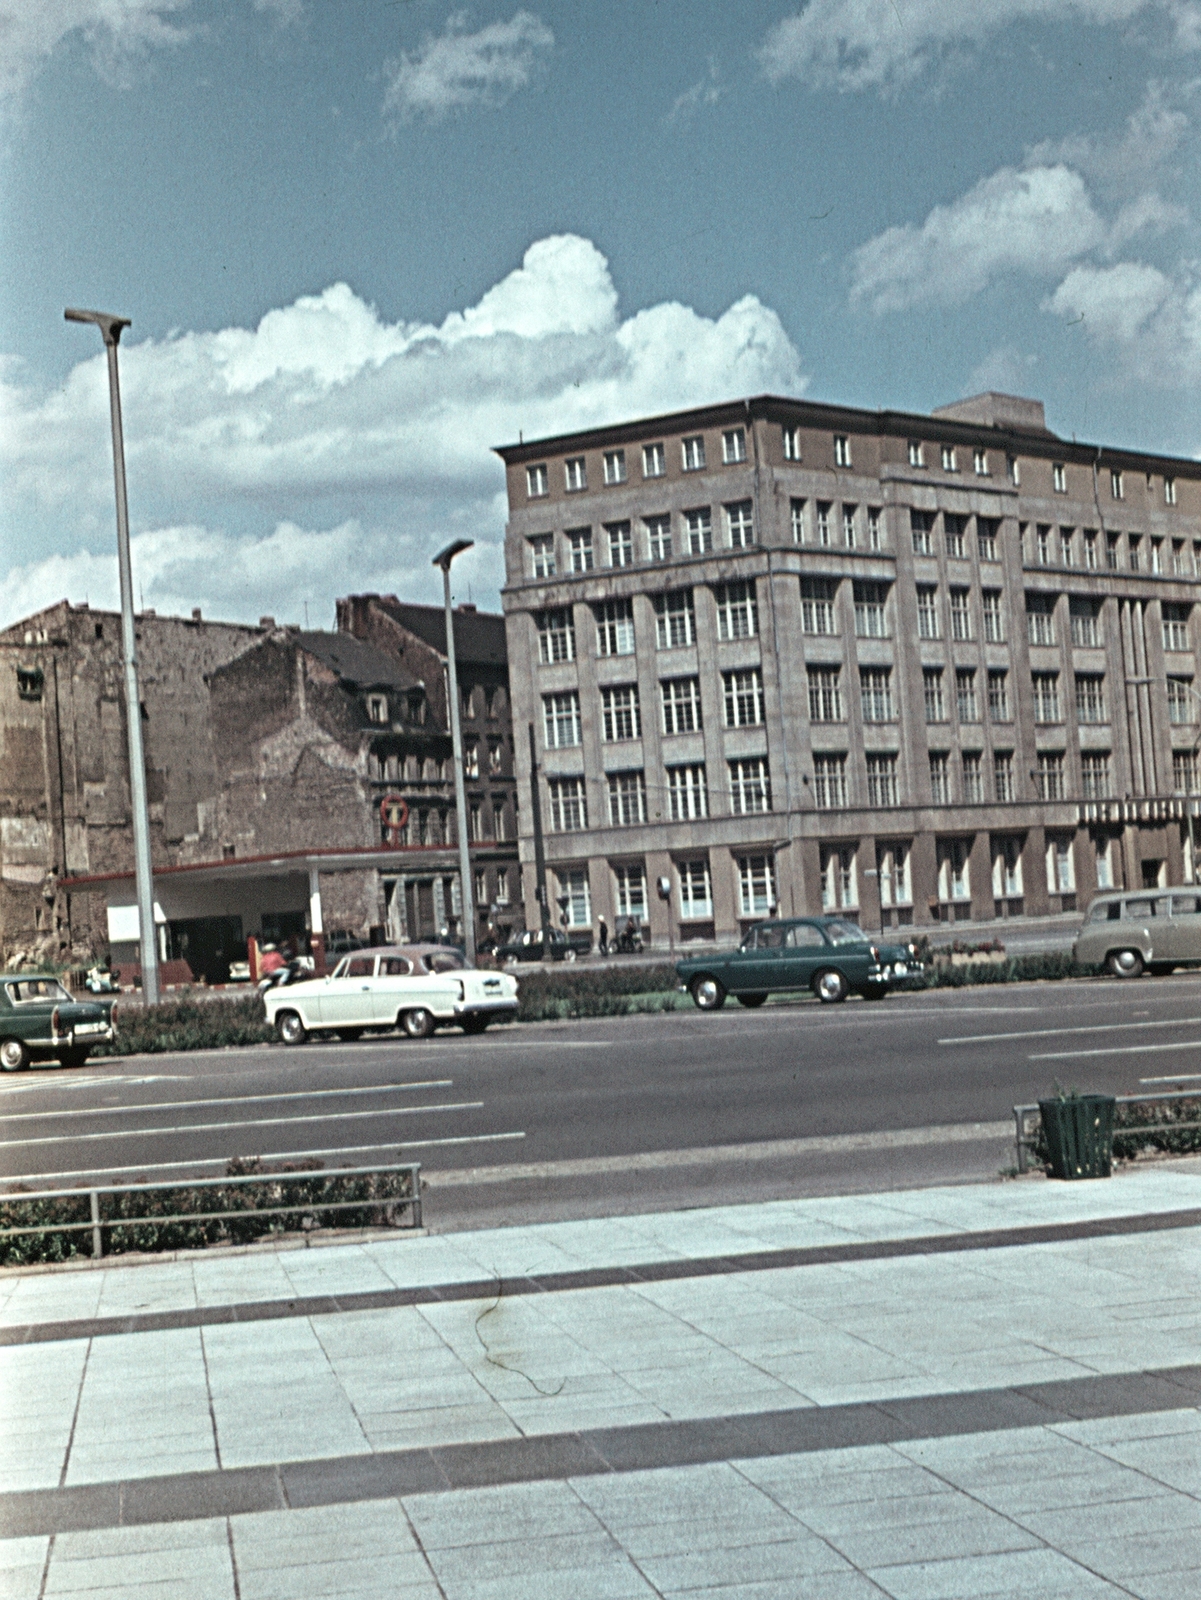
625 1113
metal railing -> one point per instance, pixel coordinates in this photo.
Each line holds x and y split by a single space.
1028 1121
97 1223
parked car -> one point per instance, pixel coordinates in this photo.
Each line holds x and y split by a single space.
1133 931
338 942
826 954
535 944
414 987
40 1021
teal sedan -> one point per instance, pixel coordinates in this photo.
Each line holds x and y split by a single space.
828 955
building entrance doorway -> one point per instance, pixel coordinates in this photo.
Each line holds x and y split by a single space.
419 909
207 944
1154 876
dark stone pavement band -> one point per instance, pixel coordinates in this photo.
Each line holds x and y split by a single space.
338 1480
599 1277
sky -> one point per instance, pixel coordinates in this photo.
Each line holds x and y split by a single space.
361 242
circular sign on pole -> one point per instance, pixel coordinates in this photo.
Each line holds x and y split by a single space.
394 813
664 888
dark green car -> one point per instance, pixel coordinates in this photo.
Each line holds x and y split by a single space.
826 954
40 1021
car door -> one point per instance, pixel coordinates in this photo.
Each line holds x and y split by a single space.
349 1000
756 968
804 952
1186 921
392 989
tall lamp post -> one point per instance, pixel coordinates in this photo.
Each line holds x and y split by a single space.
443 559
110 329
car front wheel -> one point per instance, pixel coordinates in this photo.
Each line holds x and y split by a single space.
290 1028
1125 963
13 1055
707 993
830 987
418 1023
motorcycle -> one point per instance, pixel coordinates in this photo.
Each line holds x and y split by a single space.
296 970
100 980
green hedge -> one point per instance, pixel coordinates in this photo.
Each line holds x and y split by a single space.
189 1025
608 991
302 1183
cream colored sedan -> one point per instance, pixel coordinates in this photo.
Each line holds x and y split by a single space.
414 987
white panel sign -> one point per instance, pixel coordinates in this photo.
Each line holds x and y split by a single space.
124 925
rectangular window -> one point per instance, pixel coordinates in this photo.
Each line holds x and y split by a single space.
987 529
750 785
1179 569
494 756
733 446
1084 617
955 533
621 544
1014 468
1169 491
840 878
823 522
881 780
621 715
1067 547
536 482
681 705
921 527
693 453
796 517
658 537
871 619
573 471
817 605
1007 868
936 710
737 610
471 760
1184 772
1175 626
927 611
994 617
615 466
973 780
579 541
1104 866
377 708
742 693
1094 774
949 462
614 627
542 555
1040 618
825 694
687 793
502 883
1134 545
1090 697
627 799
848 526
499 828
875 694
1157 557
475 832
1059 477
675 619
842 450
654 461
829 782
1181 703
917 455
696 890
967 702
739 526
756 886
875 536
1090 549
630 884
573 886
980 463
998 696
893 869
1002 775
961 615
568 805
1112 549
698 527
1048 778
1046 697
1115 484
556 636
561 719
940 779
792 443
1043 554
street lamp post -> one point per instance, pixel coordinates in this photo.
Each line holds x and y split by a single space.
443 559
110 329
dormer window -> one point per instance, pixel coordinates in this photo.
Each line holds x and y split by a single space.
377 708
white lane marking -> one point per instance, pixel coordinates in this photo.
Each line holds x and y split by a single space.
1118 1050
221 1127
282 1155
1049 1033
54 1082
1175 1077
232 1100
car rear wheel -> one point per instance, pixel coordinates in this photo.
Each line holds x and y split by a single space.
751 1000
875 991
290 1028
350 1034
13 1055
73 1057
1125 963
830 987
708 993
418 1023
474 1024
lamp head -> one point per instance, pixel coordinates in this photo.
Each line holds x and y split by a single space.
110 326
444 557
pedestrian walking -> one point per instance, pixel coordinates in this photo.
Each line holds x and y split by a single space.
602 937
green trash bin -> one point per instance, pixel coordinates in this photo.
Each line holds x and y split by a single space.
1079 1130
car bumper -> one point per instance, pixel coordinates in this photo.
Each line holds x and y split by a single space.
485 1008
895 971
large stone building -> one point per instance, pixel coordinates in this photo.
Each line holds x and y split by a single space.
915 668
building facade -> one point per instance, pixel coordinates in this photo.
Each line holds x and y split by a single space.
785 656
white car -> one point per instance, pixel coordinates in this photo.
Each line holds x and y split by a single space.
414 987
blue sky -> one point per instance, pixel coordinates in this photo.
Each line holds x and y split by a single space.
362 242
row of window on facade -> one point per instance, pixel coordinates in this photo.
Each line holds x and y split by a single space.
412 768
436 825
582 551
491 701
1046 545
614 467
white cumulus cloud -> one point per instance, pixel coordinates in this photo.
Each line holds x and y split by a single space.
116 31
1148 321
877 44
457 68
374 436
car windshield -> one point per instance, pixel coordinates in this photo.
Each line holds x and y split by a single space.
843 933
445 961
1105 911
42 989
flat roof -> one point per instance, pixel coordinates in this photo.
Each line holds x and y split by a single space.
282 864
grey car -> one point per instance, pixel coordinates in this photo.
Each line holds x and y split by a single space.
1135 931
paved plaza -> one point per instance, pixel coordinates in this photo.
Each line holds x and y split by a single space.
986 1390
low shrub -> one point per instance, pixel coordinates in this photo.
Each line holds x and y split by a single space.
568 991
1165 1135
184 1024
